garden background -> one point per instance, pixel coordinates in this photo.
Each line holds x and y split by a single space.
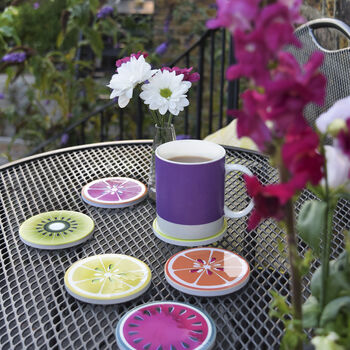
70 48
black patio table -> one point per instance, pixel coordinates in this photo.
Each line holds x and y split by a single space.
38 313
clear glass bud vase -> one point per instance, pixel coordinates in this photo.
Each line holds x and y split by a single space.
162 135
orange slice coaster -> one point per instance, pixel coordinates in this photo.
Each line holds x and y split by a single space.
114 192
207 271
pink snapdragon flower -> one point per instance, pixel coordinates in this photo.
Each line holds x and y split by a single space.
249 122
257 48
274 24
119 62
233 14
292 87
188 76
294 10
300 156
252 57
269 200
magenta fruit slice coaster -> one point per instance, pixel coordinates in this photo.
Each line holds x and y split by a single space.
166 325
114 192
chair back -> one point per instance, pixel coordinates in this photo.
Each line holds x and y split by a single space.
336 65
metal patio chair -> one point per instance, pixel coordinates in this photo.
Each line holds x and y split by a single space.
336 65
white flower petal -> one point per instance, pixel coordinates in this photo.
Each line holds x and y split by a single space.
338 167
176 102
130 74
123 101
340 110
113 94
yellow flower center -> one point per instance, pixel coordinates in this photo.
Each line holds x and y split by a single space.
165 92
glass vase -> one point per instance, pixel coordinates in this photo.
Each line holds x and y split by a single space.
162 135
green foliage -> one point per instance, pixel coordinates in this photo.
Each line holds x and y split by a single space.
64 87
335 316
311 223
280 309
311 312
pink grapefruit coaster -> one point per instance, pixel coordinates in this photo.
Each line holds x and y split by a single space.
114 192
207 271
166 325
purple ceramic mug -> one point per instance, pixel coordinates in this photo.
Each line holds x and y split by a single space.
191 191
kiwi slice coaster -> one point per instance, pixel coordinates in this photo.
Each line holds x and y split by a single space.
56 229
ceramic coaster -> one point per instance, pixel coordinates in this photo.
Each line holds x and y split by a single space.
166 325
107 279
189 242
114 192
207 271
56 229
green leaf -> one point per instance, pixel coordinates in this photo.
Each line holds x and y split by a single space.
315 284
95 40
332 309
311 223
311 312
318 190
60 38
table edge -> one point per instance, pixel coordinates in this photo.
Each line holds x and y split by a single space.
105 144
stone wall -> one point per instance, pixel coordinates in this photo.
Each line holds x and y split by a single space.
339 9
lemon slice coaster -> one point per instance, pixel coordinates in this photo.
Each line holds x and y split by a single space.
207 271
166 325
107 279
56 229
114 192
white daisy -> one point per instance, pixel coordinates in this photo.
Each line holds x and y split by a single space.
129 74
166 91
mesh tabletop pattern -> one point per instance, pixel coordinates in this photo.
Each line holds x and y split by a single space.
38 313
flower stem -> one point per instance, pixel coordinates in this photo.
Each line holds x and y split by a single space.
169 119
326 237
160 119
293 260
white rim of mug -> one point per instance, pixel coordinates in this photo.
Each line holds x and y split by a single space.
191 141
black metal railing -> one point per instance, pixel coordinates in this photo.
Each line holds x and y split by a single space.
209 99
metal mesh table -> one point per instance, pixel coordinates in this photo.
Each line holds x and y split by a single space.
38 313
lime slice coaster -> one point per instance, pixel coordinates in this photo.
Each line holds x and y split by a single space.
114 192
166 325
56 229
207 271
107 279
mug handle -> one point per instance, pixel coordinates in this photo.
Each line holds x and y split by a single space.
238 214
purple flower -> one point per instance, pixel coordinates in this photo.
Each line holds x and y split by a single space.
64 138
14 57
2 96
183 137
162 48
105 11
36 5
167 23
